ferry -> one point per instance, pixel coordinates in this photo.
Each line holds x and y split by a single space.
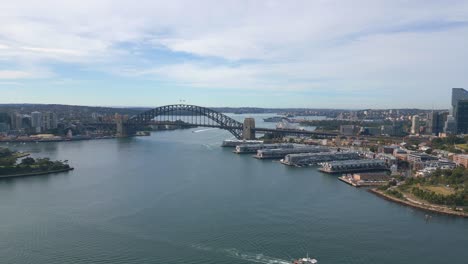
305 260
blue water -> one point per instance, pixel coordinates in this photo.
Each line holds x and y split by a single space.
177 197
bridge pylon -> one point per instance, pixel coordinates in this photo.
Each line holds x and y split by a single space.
249 129
121 128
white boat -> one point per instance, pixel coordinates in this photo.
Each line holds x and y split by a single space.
305 260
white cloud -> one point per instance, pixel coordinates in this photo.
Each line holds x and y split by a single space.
268 45
24 74
14 75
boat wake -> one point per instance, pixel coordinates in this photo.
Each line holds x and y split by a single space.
203 130
250 257
256 258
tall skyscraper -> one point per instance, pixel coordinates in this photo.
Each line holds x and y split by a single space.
450 125
16 121
49 121
36 121
436 122
415 125
462 117
459 111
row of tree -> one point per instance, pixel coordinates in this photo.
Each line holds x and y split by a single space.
458 199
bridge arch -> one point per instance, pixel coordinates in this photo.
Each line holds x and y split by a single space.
217 119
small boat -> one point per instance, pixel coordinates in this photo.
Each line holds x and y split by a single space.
305 260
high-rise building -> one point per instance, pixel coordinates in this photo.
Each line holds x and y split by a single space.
4 122
450 125
36 121
16 121
436 122
49 121
415 125
459 111
462 117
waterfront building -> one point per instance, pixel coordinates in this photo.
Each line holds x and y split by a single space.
280 153
310 159
237 142
353 166
253 148
415 125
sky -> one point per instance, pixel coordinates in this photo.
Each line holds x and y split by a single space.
312 53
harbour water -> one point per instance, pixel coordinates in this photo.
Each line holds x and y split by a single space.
178 197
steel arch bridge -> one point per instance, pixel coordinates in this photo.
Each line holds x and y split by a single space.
188 115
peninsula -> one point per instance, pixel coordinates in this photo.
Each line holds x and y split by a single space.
442 192
17 164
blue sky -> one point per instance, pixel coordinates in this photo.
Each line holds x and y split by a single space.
317 54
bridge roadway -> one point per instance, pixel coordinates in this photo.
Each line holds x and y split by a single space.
282 132
197 116
295 132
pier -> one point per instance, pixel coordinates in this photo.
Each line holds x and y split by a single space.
312 159
253 148
348 166
282 152
236 142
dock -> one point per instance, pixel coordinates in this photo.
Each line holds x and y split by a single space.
348 166
280 153
313 159
253 148
232 143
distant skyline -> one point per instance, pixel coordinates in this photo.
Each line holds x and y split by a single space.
272 54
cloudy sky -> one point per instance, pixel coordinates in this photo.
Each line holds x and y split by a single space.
312 53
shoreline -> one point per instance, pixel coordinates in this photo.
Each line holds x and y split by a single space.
52 140
9 176
424 207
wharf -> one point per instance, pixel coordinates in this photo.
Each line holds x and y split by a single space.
280 153
349 166
253 148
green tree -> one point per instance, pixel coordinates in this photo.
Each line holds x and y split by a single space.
28 161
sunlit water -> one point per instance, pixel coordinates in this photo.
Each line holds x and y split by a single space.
178 197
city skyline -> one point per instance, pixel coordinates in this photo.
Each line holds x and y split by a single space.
266 54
